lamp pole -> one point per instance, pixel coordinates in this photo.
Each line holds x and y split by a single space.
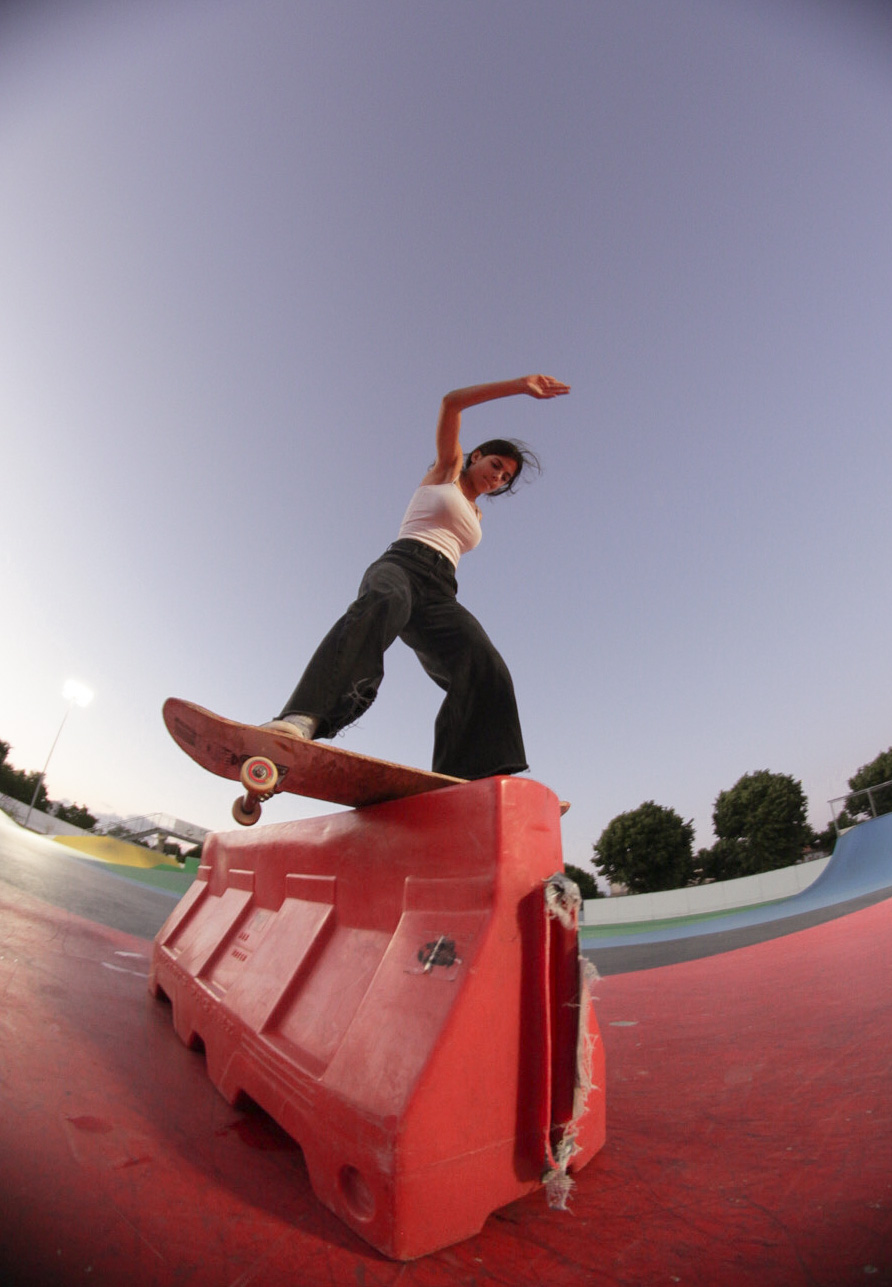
76 694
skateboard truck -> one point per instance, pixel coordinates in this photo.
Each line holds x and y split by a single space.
259 776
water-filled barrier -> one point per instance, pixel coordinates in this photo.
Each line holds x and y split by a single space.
400 988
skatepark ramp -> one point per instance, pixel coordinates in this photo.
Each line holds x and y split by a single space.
117 852
858 873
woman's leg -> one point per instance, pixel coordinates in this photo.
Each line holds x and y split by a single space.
477 732
343 676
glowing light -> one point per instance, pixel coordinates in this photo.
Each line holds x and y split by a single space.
76 692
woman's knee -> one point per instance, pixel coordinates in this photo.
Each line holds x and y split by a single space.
484 668
494 671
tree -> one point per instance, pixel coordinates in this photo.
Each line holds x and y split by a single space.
760 823
19 785
77 814
588 886
871 775
824 842
646 850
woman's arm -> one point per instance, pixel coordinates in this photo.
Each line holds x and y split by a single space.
449 453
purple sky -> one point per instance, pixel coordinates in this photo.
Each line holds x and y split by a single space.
247 246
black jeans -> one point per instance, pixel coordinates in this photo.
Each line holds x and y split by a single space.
409 593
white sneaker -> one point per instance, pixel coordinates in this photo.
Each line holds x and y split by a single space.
303 726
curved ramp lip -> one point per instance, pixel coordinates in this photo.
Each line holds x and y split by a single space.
859 872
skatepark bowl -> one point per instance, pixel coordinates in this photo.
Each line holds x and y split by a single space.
749 1115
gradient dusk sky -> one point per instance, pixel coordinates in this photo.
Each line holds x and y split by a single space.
248 244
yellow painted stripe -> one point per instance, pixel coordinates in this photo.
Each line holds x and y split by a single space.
119 852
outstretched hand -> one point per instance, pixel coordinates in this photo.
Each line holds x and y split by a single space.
544 386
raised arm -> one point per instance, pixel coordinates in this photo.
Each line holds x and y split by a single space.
449 453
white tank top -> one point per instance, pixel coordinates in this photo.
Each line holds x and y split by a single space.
441 516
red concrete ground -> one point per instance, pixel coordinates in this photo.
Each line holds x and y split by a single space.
749 1132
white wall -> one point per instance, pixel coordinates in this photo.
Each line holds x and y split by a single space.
43 823
724 895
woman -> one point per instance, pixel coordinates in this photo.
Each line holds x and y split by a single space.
410 593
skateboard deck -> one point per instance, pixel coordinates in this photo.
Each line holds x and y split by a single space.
266 763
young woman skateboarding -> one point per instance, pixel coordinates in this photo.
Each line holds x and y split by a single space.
410 593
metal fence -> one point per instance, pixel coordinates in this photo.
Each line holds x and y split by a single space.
879 800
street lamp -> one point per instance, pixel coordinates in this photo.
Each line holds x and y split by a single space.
76 694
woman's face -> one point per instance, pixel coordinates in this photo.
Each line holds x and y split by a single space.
489 473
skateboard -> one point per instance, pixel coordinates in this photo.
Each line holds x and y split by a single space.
266 763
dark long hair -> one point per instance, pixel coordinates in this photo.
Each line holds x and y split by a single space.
512 449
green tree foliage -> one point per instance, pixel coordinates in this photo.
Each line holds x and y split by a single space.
871 775
77 814
19 785
646 850
760 823
588 886
824 842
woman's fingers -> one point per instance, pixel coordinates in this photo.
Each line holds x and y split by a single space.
545 386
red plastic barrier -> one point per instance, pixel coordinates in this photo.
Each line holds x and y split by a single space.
389 986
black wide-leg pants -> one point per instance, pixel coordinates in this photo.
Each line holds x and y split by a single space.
410 594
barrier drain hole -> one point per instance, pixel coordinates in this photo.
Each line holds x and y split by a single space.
441 951
356 1193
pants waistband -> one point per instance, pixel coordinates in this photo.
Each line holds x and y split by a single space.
426 553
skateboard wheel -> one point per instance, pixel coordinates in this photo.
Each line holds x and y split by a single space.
259 775
243 815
